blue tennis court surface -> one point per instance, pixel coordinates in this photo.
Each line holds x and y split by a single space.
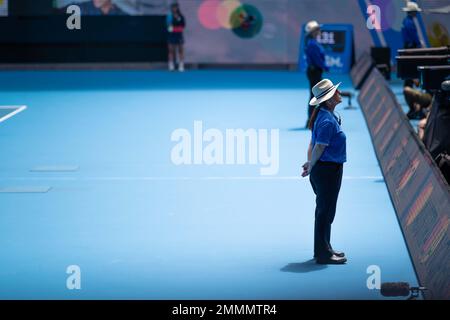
7 112
4 112
140 227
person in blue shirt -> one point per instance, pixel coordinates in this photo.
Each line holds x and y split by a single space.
409 31
315 59
410 35
326 156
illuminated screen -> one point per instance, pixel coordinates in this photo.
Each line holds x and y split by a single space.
332 40
3 8
115 7
240 31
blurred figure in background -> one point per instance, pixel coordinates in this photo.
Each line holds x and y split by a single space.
411 40
417 100
315 59
409 30
175 26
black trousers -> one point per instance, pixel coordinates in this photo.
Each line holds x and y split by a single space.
314 76
326 180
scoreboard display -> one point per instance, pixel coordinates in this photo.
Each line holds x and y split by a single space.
337 41
333 41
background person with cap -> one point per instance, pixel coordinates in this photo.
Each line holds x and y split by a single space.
410 41
315 59
409 31
326 156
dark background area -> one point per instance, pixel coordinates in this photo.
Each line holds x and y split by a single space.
35 32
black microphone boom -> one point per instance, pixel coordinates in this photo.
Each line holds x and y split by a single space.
400 289
348 95
395 289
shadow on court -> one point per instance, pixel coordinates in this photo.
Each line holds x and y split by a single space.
303 267
298 129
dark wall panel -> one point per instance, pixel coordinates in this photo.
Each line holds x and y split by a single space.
35 33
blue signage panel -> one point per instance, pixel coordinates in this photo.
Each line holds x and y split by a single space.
337 40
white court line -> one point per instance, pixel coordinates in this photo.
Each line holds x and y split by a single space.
181 178
63 168
16 109
25 189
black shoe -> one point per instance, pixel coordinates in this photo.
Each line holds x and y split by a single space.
336 253
331 260
339 254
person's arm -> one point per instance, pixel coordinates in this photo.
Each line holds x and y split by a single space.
325 132
310 151
307 163
316 154
313 156
169 22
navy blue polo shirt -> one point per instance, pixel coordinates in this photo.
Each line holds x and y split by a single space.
410 34
327 131
315 55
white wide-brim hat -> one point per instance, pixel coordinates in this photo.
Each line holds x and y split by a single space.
323 91
311 26
412 7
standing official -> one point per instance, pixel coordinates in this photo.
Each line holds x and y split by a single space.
175 26
410 36
409 31
315 59
326 156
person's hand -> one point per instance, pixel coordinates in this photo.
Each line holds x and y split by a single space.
306 169
170 28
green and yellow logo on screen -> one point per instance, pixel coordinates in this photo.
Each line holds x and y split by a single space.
244 20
